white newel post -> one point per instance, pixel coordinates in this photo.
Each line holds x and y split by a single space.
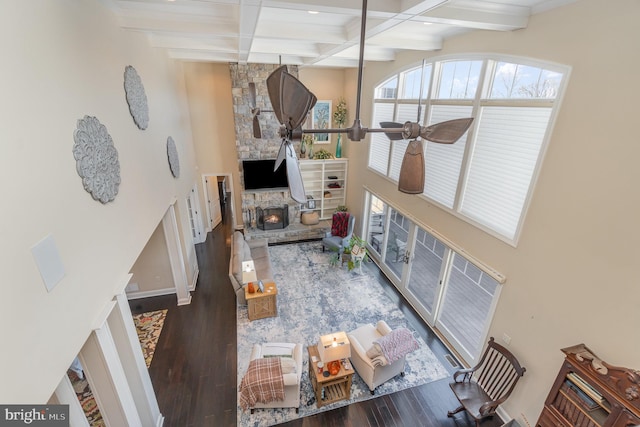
127 343
107 378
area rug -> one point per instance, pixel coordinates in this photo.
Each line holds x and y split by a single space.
315 298
148 326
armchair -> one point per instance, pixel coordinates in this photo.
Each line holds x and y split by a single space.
484 387
374 371
291 380
342 225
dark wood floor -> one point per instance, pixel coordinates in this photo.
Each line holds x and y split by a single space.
194 367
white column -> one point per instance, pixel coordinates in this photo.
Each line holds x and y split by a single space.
135 368
170 227
108 381
66 395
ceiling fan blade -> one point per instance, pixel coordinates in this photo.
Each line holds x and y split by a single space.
282 153
252 95
411 179
296 101
296 186
446 132
392 125
257 133
273 87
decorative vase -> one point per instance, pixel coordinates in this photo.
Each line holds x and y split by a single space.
251 288
311 152
303 149
334 367
339 147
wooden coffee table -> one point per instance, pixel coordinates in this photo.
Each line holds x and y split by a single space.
262 304
332 388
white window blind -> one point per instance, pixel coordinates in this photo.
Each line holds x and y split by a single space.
443 161
380 144
408 113
505 154
397 153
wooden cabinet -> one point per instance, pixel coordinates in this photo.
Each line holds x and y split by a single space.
325 181
589 392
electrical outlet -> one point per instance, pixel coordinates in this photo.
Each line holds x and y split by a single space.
506 339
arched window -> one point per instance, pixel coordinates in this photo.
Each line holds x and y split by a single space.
487 177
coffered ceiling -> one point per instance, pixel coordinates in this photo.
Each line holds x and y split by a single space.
313 32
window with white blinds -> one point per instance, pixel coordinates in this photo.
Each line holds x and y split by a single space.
488 175
505 155
380 146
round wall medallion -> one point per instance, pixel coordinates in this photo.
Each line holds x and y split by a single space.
136 97
174 160
96 159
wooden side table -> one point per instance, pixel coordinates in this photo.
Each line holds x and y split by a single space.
332 388
262 304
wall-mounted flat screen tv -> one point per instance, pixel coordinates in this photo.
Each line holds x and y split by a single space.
259 175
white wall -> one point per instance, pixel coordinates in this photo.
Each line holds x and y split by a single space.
573 277
62 60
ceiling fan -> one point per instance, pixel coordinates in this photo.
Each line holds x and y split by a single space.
291 102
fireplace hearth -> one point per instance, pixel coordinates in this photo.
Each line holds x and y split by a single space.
272 218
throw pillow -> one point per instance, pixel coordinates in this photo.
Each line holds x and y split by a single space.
288 365
374 351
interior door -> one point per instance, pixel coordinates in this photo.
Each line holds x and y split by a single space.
213 202
195 221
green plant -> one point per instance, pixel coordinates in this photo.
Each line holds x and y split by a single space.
341 208
351 264
322 154
308 140
340 115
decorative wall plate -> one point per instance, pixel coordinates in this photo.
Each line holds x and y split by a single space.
172 155
96 159
136 97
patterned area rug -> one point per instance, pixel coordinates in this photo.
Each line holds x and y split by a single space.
148 325
315 298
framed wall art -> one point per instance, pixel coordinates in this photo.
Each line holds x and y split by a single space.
321 119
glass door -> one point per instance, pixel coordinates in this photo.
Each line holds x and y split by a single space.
450 293
425 277
467 306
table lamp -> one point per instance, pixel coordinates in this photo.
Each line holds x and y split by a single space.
249 273
332 348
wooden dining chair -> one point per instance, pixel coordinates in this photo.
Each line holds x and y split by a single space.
483 388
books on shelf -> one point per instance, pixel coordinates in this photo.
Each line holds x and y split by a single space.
586 388
588 403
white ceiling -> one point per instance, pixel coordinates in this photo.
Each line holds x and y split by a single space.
283 31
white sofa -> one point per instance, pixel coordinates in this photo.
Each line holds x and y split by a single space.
291 380
246 250
369 369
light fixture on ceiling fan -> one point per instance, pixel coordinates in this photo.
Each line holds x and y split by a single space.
292 101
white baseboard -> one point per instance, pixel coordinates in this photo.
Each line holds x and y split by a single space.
195 279
153 293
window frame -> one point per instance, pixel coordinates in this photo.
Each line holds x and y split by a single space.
481 100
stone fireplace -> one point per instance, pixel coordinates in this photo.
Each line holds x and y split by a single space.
250 148
258 203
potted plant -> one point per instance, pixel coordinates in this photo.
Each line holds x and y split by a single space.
323 154
346 254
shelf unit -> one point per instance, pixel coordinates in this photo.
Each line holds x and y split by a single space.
591 393
325 181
